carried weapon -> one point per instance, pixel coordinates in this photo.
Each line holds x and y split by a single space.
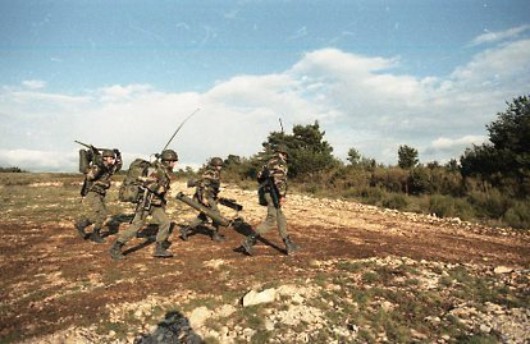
91 147
207 211
230 203
267 182
144 204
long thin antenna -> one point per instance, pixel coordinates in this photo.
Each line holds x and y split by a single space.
180 126
281 124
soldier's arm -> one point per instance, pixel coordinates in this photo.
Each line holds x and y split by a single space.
93 172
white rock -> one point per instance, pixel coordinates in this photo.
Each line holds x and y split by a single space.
198 316
255 298
502 270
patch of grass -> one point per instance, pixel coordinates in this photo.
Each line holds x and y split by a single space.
477 339
352 266
261 337
370 277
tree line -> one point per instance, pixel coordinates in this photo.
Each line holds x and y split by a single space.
489 182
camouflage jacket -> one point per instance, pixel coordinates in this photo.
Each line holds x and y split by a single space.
277 169
208 185
98 177
157 181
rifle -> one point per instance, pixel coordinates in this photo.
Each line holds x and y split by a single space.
230 203
268 184
91 147
144 204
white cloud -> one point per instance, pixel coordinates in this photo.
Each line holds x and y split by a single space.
37 160
493 37
34 84
360 101
444 143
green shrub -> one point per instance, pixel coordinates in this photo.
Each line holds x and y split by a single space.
395 201
518 216
446 206
490 204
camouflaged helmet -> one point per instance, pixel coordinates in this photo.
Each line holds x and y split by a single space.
216 161
169 155
281 148
108 153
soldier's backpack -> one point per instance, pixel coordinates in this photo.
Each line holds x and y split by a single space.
130 188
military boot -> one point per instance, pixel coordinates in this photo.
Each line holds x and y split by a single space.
216 236
184 231
166 243
115 250
248 243
80 226
290 246
96 236
161 251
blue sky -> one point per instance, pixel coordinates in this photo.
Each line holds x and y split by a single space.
375 74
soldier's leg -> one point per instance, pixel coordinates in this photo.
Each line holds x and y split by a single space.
186 231
262 228
100 215
216 236
290 246
126 235
164 224
271 219
80 226
87 217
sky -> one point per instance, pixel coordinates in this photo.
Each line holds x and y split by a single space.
375 74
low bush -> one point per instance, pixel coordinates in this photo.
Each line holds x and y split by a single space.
518 216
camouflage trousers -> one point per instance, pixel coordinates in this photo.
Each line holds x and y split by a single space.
159 216
94 209
274 216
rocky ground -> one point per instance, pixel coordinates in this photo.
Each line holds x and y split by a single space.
363 275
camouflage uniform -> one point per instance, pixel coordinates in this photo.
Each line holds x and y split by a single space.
97 182
272 192
206 193
157 183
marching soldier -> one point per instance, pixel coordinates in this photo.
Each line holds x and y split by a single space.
97 182
155 187
206 192
272 193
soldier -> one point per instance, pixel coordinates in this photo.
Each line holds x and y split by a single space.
206 192
155 185
272 191
97 181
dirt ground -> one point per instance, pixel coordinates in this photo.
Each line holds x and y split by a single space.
51 279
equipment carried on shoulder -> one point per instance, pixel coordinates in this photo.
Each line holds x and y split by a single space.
207 211
94 156
130 189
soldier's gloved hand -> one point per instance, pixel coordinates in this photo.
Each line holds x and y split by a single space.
283 200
